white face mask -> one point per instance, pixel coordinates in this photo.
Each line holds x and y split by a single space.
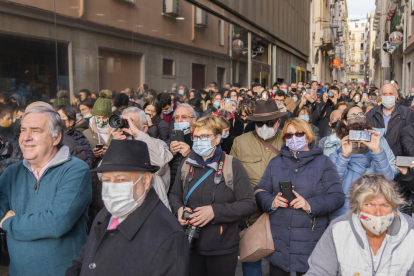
87 116
266 132
119 197
376 225
388 101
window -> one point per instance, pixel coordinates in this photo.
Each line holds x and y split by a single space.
361 68
221 32
352 47
221 77
198 76
361 58
356 25
352 68
362 24
352 57
352 36
362 36
361 47
168 67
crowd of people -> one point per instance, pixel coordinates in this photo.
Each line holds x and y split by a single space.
147 183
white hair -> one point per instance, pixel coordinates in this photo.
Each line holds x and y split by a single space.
142 116
335 111
54 125
192 112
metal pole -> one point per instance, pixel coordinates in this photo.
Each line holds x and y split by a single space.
249 60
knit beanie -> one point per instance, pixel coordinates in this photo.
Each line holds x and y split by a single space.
62 99
102 106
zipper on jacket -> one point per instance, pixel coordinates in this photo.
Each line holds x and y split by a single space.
313 223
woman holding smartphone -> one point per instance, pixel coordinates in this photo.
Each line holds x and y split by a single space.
317 191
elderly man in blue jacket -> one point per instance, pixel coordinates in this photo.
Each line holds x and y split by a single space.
44 199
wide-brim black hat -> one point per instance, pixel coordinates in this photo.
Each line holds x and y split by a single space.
266 111
127 156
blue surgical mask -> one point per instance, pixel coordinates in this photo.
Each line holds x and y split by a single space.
224 136
274 91
168 112
174 89
233 108
295 99
203 148
181 92
217 104
305 117
284 90
280 106
184 126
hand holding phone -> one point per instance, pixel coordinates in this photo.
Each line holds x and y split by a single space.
178 135
286 190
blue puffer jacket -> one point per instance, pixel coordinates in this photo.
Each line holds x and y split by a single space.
352 168
295 232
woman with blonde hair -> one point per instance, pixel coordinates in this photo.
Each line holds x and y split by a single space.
374 238
215 204
312 177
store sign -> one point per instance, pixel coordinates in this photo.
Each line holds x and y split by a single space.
396 38
238 45
336 63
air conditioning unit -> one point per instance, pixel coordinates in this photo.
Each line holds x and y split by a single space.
170 7
201 18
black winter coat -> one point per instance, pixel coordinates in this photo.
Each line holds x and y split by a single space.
221 235
162 126
178 158
149 242
81 139
321 119
237 127
401 117
407 140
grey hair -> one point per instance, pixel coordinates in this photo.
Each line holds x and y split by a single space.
395 89
371 186
333 112
54 125
193 114
142 116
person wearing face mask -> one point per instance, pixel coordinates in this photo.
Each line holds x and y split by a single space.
255 149
321 116
299 224
226 140
167 107
305 114
409 100
86 108
331 142
240 124
355 158
134 232
203 188
374 238
280 99
391 116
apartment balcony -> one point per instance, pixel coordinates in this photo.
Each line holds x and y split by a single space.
329 35
356 72
376 48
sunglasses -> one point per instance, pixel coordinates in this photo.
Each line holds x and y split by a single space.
297 134
268 124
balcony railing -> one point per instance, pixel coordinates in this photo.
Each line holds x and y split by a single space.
356 72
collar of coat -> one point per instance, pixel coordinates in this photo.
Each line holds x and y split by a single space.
133 222
394 113
191 160
62 156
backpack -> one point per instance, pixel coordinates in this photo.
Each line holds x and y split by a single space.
227 171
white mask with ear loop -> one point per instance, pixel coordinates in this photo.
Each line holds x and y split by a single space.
119 197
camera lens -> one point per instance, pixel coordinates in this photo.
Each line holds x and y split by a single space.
115 121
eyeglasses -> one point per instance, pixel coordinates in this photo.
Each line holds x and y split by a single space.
244 117
268 124
183 117
203 137
297 134
354 115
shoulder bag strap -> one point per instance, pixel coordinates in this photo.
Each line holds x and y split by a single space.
266 144
197 184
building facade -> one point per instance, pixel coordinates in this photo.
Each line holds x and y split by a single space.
329 40
114 44
356 49
368 48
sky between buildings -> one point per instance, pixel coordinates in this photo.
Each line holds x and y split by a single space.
359 8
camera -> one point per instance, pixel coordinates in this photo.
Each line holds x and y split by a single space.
192 232
116 121
6 148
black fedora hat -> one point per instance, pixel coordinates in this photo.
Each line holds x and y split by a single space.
127 156
266 111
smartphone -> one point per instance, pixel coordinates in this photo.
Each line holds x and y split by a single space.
359 135
228 100
286 190
178 135
404 161
308 91
99 146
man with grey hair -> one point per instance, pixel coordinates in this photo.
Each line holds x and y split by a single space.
44 199
159 152
184 117
391 116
